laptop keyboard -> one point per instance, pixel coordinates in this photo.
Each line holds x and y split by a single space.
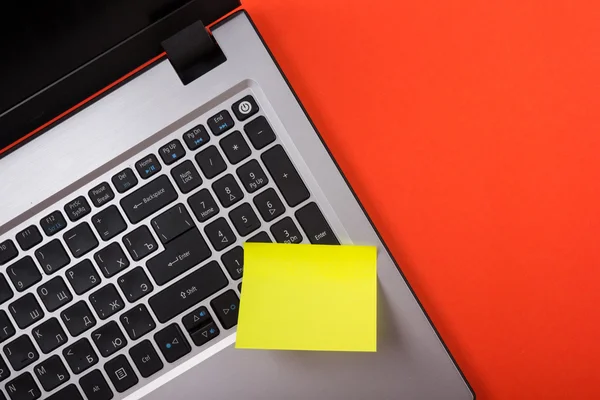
144 269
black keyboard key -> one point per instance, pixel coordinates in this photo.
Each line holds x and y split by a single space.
244 219
78 318
233 261
101 194
235 147
220 123
210 162
52 373
54 294
226 307
109 339
140 243
52 256
171 152
148 166
205 334
7 329
95 386
259 132
26 311
80 356
261 237
106 301
109 222
220 234
285 175
188 291
8 251
186 176
285 231
124 180
83 277
4 370
49 335
148 199
120 373
146 359
252 176
315 226
53 223
111 260
172 223
23 387
69 392
203 205
135 284
200 326
183 253
80 240
172 343
196 137
269 205
21 352
77 209
245 108
24 273
137 322
6 292
196 319
228 191
29 237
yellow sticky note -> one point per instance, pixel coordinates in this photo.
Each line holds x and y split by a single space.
308 297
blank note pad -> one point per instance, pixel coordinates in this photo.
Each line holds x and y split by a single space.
308 297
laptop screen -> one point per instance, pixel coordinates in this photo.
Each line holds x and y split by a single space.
42 41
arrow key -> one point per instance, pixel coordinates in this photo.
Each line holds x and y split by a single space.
226 307
172 343
205 334
196 319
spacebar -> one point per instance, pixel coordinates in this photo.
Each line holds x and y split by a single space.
188 291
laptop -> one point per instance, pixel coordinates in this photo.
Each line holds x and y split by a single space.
144 141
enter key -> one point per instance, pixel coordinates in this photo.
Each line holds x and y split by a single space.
183 253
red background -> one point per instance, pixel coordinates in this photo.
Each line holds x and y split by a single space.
470 130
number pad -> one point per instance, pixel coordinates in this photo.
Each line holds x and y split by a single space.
244 219
220 234
285 231
233 261
252 176
228 191
269 205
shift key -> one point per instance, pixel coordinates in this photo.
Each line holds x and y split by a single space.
188 292
183 253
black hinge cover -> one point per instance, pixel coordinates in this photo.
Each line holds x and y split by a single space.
193 52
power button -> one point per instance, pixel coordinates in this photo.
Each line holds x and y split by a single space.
245 108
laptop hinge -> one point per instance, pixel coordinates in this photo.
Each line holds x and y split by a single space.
193 52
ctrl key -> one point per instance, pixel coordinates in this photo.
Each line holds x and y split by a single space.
172 343
145 358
